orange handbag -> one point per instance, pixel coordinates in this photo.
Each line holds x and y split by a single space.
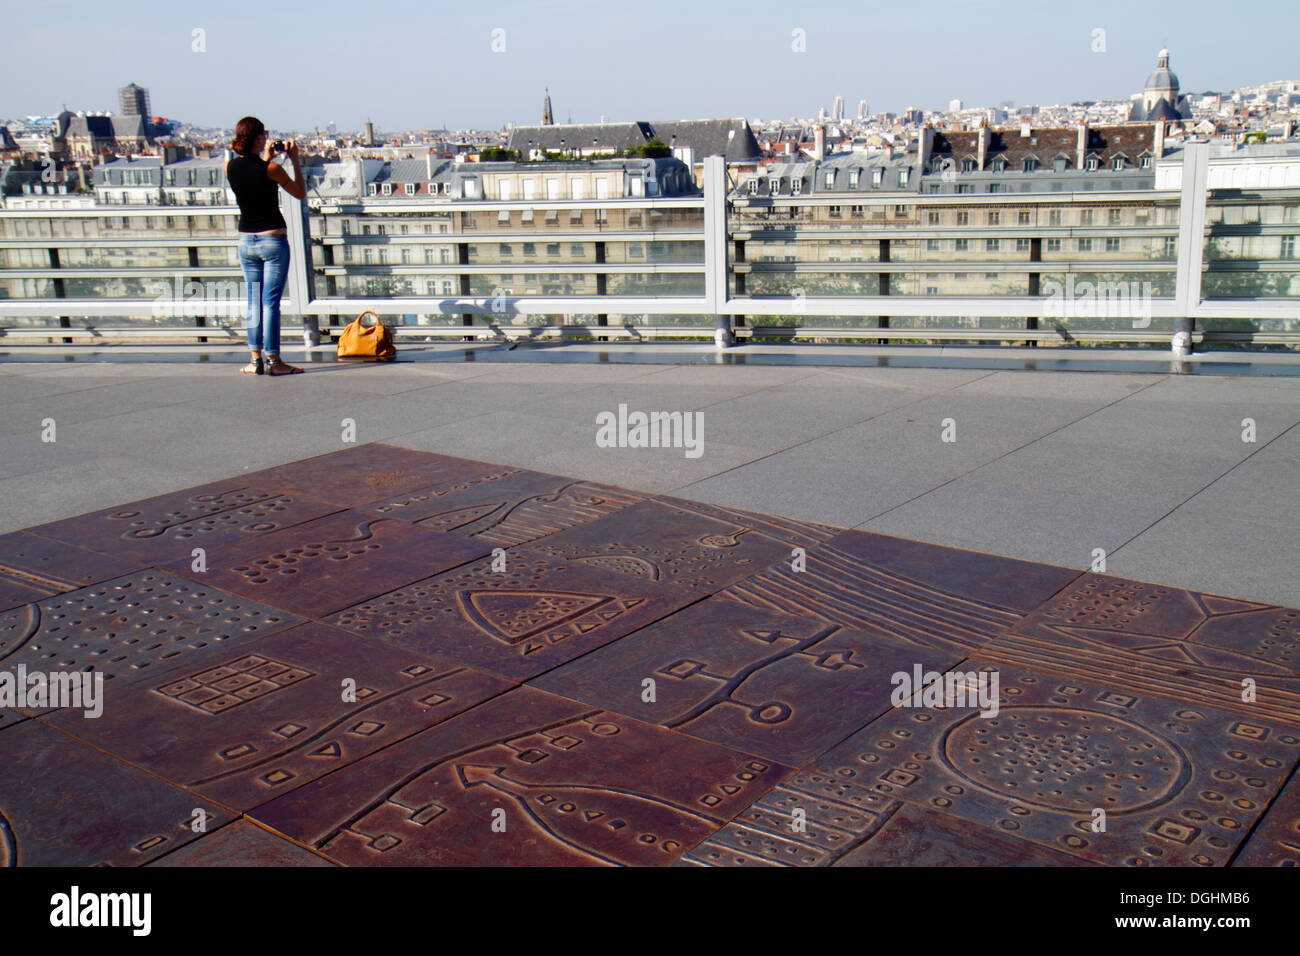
367 342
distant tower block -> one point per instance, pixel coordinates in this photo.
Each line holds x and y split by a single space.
862 109
370 133
837 110
954 106
134 100
547 118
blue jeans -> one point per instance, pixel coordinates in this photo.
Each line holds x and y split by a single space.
265 261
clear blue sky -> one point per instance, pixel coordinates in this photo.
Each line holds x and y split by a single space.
410 64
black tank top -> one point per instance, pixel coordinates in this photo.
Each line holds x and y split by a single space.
256 193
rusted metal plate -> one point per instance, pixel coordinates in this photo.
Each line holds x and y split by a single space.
563 783
146 620
662 544
917 593
33 567
537 613
63 803
1276 841
321 566
812 819
769 684
242 844
1179 785
790 532
161 530
252 723
507 506
364 474
1187 647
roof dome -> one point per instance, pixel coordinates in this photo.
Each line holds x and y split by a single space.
1162 78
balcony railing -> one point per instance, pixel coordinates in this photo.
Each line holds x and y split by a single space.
1041 268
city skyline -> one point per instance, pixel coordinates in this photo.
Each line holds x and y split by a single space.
500 60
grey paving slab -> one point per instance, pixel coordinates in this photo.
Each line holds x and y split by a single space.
920 379
1077 386
1155 477
807 487
508 437
1252 560
1046 525
1261 490
1142 424
648 469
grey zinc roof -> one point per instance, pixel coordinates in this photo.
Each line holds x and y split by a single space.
731 138
607 136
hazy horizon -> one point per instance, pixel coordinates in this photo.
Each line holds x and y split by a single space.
300 66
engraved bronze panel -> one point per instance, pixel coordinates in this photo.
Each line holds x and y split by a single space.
63 803
33 567
813 819
1188 647
242 844
663 544
166 529
321 566
764 683
507 506
571 785
255 722
924 596
1179 785
1276 841
790 532
364 474
138 621
519 622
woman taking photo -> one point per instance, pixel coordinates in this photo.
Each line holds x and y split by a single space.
263 239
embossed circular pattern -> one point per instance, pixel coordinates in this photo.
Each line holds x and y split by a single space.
1066 760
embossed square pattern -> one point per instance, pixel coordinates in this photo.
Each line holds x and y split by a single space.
335 679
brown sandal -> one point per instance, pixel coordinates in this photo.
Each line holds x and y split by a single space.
254 367
276 366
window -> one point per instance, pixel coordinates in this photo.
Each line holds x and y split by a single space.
753 186
995 217
1171 247
577 188
1288 247
1054 217
530 249
961 245
381 230
388 189
1022 245
406 256
796 185
365 229
856 211
833 211
1031 164
602 191
366 256
372 190
995 187
963 218
503 217
504 189
992 245
1112 244
635 250
1053 245
530 189
575 217
900 210
968 165
1091 164
1085 217
601 215
963 188
552 189
1114 217
1085 245
552 248
504 249
577 250
1146 162
830 179
1117 163
903 176
1024 217
932 218
877 175
774 186
853 179
410 189
932 245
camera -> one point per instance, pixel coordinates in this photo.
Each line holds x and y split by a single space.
278 147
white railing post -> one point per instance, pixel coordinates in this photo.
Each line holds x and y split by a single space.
299 284
1191 243
715 247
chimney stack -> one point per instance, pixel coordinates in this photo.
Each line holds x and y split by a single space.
819 143
428 166
1081 145
1158 139
982 139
